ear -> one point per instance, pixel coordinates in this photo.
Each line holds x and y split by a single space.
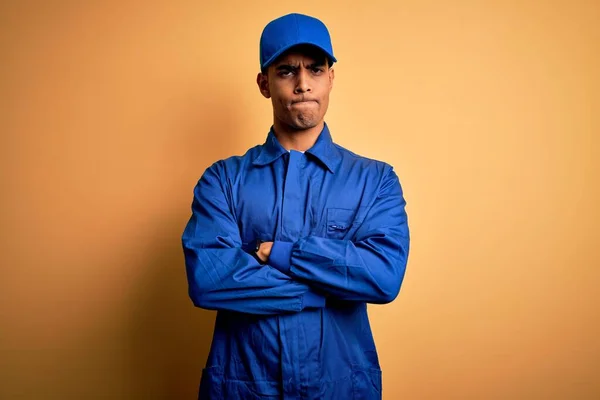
331 77
262 80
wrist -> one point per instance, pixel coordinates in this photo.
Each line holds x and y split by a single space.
280 256
262 251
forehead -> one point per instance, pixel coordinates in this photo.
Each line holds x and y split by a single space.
306 55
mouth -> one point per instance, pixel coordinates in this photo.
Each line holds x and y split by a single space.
304 102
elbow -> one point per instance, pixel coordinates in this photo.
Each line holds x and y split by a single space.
391 271
390 287
201 294
388 293
201 299
196 298
200 291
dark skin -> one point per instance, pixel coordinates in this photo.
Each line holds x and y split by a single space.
298 83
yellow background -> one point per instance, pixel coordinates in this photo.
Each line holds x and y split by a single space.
489 111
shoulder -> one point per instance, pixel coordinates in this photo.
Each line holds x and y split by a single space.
233 165
356 161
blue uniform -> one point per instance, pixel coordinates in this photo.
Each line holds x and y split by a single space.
296 328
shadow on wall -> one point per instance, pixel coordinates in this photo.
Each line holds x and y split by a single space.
169 338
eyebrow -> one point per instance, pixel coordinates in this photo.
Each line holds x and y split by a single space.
289 67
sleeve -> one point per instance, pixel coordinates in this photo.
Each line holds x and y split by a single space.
221 275
369 268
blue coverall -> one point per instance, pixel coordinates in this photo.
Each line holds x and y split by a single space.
296 328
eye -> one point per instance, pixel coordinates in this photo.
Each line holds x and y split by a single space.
317 70
285 73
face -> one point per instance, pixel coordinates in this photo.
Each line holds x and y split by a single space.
298 84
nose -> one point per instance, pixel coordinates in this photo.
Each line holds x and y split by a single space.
303 84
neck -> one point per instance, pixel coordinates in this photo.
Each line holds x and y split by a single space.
294 139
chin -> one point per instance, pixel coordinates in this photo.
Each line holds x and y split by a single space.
306 122
305 125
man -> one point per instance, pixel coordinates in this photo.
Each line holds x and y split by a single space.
291 240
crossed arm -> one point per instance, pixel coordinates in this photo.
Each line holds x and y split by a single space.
299 275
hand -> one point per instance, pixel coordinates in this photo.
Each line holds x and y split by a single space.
264 251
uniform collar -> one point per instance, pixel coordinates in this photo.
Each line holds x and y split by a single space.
324 150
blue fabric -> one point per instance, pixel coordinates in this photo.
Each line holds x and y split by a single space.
298 326
292 30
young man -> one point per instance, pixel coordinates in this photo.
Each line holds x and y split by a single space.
291 240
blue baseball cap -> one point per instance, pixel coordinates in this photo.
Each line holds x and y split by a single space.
292 30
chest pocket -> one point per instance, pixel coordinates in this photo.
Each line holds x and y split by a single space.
342 222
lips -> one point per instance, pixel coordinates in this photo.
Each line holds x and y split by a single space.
304 102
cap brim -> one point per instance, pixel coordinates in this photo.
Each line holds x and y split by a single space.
278 53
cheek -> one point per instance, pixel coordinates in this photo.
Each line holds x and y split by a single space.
325 99
275 99
280 92
279 98
280 107
324 89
